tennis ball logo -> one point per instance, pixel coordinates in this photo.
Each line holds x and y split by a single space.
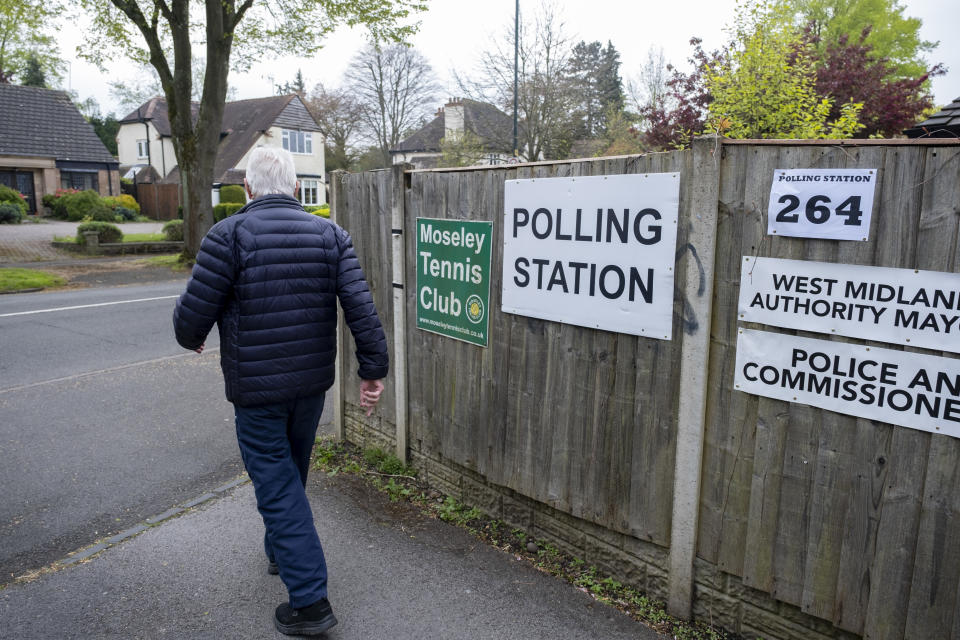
474 309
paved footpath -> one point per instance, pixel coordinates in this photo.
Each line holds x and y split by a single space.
394 574
30 242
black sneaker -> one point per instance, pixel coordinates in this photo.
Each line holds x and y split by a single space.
272 568
308 621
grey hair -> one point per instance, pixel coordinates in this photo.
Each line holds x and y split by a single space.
270 170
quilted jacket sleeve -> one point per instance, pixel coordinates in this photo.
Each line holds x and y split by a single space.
360 313
208 290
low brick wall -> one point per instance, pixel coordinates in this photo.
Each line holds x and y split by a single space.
719 598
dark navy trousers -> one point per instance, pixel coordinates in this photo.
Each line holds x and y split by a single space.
275 443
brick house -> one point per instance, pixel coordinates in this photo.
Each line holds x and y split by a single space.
46 144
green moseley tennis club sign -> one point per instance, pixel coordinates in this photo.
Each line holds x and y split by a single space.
453 278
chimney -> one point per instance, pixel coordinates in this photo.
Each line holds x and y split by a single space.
453 118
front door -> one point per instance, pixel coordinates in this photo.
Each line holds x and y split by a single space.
22 181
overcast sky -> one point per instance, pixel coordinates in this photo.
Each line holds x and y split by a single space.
454 32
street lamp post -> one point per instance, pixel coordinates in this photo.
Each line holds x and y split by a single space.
516 57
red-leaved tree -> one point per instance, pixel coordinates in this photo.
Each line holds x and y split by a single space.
848 71
682 115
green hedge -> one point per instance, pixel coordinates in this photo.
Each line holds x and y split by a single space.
232 193
106 232
173 230
225 210
318 210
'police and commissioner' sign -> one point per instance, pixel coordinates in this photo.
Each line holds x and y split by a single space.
899 387
595 251
453 278
903 306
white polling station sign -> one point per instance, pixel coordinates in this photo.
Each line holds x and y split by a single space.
834 204
594 251
904 306
899 387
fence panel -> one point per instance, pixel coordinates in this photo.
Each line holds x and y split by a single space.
829 523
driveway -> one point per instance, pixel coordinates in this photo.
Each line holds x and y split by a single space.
30 242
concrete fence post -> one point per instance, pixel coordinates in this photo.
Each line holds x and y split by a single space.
399 363
699 263
339 404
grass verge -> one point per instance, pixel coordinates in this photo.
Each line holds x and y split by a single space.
17 279
388 474
174 261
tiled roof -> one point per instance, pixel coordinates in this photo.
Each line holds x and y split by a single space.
492 126
43 122
944 124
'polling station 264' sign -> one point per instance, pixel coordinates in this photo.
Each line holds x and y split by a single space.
453 278
833 204
595 251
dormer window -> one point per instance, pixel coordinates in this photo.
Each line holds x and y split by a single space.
298 141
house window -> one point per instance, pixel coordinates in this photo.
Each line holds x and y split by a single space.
309 192
143 148
298 141
80 180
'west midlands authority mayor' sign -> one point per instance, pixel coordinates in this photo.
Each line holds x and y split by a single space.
595 251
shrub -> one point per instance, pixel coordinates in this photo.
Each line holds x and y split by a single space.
10 213
11 196
173 230
126 201
102 213
56 202
232 193
127 181
106 232
225 210
127 215
318 210
77 206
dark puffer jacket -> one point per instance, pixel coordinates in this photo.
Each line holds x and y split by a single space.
270 276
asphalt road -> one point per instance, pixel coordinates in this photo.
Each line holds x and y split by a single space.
104 419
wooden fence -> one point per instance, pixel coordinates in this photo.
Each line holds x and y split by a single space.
158 201
804 522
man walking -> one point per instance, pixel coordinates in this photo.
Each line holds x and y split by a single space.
270 277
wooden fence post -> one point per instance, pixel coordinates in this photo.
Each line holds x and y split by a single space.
694 368
339 423
399 363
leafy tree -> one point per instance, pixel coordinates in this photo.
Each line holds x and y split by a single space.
461 149
23 37
33 74
234 34
106 127
337 113
394 87
893 37
766 88
598 89
622 135
849 71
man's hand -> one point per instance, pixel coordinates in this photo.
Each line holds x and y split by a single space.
370 391
200 348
